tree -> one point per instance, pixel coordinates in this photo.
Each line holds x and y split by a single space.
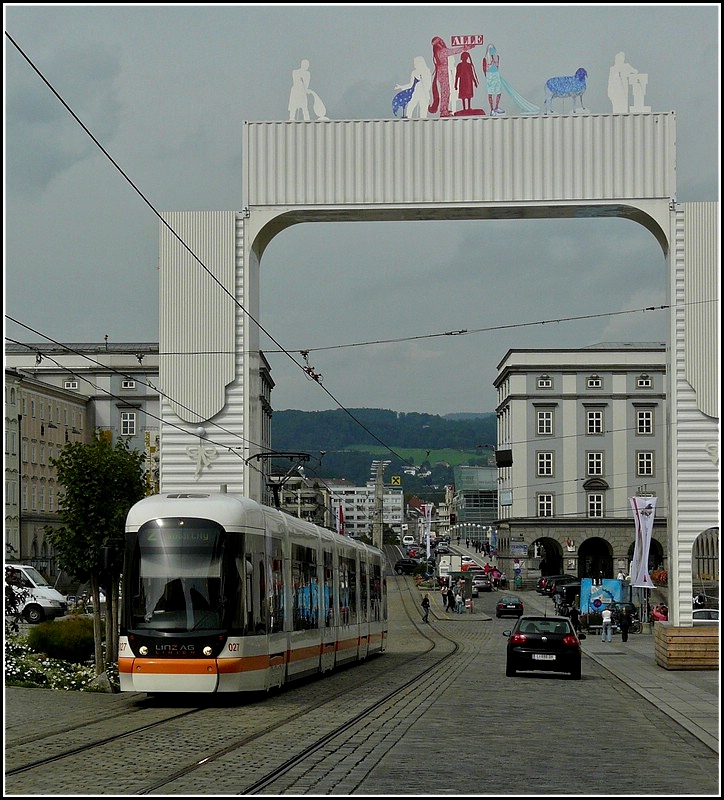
100 484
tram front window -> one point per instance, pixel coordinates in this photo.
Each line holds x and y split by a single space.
177 580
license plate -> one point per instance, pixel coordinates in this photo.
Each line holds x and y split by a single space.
543 657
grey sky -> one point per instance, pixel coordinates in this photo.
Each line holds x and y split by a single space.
165 90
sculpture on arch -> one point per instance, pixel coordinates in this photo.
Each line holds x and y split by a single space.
300 94
415 95
441 78
566 86
621 77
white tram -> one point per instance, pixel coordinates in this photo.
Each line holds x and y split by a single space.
222 594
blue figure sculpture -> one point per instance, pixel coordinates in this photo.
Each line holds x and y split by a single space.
566 86
401 99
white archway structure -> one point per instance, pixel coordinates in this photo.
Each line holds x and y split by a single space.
621 165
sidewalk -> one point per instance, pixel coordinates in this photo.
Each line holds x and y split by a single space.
690 697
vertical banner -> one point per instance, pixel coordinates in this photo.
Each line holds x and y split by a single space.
427 508
340 520
644 510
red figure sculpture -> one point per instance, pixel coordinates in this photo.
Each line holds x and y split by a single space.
440 78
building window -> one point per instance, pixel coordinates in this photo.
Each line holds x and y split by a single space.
594 463
594 382
128 423
594 423
70 385
544 423
644 422
32 409
545 464
645 463
545 382
128 384
594 501
643 382
545 505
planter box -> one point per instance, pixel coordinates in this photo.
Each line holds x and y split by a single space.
686 648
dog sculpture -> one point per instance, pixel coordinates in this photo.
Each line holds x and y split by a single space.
566 86
401 99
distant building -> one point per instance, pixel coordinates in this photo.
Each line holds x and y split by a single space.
40 418
580 430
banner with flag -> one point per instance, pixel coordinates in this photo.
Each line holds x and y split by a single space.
427 511
340 520
644 510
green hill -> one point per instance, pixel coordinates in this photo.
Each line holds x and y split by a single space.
343 444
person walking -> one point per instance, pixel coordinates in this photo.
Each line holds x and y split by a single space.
624 622
451 599
575 619
425 607
607 626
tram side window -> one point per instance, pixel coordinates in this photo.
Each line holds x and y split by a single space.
245 610
347 591
376 593
328 590
305 588
271 595
363 609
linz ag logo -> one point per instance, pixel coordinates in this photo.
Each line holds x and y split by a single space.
175 649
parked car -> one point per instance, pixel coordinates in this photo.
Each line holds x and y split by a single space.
35 598
557 582
540 643
706 616
406 566
482 583
509 605
544 580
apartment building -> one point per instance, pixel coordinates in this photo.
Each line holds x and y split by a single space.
580 431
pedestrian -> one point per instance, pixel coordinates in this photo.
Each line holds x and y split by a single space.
459 603
575 619
621 575
451 599
607 625
624 622
503 581
425 607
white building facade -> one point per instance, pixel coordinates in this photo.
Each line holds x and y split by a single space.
580 431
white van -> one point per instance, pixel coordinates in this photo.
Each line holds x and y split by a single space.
41 600
408 540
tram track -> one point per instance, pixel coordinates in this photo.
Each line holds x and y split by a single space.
306 716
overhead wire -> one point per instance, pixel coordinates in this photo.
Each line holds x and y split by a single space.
309 371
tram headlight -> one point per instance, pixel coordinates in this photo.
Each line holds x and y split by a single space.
143 650
208 651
